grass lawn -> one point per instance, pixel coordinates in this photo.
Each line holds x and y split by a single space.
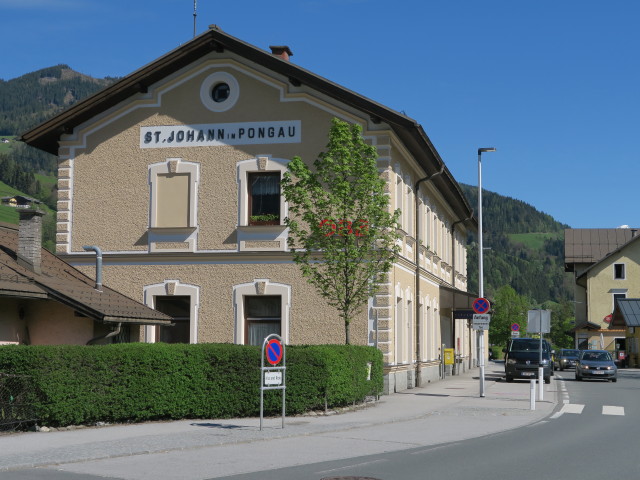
534 241
9 214
46 181
6 147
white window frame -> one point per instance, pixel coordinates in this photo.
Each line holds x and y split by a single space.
260 286
171 288
614 292
187 235
624 271
266 234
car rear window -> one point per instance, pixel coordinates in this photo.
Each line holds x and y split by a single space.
528 346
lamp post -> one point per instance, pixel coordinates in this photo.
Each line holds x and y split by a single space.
480 265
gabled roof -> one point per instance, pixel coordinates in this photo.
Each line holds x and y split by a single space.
590 245
626 313
61 282
632 237
46 135
586 325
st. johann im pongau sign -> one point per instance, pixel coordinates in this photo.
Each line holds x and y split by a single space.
218 134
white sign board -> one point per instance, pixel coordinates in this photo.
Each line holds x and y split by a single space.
481 321
539 321
218 134
515 334
273 378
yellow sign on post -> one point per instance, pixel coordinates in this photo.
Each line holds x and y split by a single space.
448 356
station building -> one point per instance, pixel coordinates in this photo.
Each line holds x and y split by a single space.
174 172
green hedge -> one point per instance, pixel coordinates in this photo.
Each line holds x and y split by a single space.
139 382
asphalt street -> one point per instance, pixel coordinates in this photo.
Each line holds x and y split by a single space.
446 411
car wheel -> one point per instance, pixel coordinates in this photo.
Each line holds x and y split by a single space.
547 380
509 379
578 378
614 379
561 369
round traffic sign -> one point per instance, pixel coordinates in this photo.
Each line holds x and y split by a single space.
515 327
273 352
481 305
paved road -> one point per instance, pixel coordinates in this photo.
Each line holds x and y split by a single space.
590 437
440 413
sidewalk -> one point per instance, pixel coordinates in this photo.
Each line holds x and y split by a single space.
444 411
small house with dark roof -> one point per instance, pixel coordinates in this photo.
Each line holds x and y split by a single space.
46 301
606 268
19 201
174 172
626 314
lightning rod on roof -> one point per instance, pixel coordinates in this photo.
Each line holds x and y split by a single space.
195 14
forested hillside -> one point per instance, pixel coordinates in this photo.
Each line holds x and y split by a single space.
27 101
523 249
31 99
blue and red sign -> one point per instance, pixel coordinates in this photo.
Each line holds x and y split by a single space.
274 351
515 327
481 305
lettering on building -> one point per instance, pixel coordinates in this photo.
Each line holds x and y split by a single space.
218 134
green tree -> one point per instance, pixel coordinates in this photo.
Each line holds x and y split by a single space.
562 322
509 308
341 231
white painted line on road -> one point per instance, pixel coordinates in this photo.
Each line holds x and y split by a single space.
556 415
351 466
572 408
610 410
431 449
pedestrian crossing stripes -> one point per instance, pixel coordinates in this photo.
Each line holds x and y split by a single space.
576 408
610 410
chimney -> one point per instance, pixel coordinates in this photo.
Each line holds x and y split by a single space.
29 238
281 51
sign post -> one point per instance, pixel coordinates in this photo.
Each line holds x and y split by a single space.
273 377
539 321
481 306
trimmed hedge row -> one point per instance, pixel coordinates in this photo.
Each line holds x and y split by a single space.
139 382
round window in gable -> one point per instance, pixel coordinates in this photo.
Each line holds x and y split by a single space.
219 92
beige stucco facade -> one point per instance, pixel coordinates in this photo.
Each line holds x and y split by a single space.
159 182
45 322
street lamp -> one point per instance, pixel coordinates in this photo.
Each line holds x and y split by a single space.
480 265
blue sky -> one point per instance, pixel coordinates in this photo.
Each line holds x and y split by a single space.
554 85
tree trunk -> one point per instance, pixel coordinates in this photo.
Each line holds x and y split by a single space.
347 331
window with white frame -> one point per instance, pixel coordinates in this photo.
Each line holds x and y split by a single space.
408 202
173 202
259 196
619 272
260 309
617 294
178 300
399 199
173 194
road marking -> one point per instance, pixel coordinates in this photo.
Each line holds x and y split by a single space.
352 466
572 408
610 410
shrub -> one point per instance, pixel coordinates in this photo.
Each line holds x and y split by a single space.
139 382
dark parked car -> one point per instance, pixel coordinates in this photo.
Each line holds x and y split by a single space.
596 364
522 359
565 358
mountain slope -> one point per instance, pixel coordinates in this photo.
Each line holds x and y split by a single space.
523 249
29 100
